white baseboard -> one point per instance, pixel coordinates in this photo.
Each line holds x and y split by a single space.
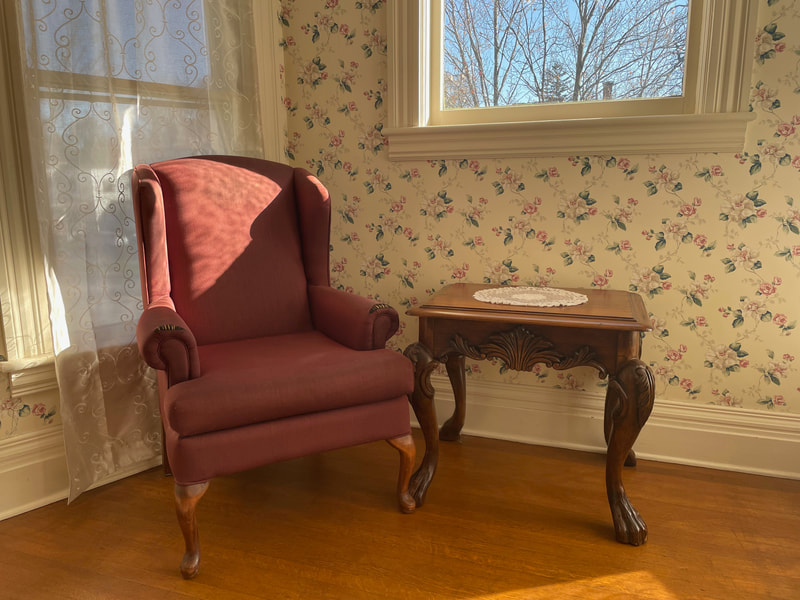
33 471
711 436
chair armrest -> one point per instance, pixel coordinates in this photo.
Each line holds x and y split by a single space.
354 321
166 343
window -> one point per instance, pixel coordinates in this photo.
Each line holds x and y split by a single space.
71 82
694 101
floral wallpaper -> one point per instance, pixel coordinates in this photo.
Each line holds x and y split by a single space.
20 415
711 241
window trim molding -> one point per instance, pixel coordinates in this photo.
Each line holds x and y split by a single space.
718 122
28 359
269 58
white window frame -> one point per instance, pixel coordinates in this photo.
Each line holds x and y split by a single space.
269 56
25 341
713 118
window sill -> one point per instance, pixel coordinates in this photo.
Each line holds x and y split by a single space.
663 134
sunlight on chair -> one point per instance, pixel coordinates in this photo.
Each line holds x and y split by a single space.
639 584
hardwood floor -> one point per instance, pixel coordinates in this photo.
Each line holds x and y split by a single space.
502 521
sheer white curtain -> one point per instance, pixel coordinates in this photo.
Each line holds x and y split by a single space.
109 84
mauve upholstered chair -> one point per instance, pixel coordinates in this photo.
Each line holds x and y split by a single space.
259 359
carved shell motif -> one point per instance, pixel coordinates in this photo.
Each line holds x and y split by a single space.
521 349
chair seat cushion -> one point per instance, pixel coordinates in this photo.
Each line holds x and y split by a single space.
265 379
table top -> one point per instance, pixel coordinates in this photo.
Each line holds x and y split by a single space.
605 309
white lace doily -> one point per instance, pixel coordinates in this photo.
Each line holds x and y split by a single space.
530 296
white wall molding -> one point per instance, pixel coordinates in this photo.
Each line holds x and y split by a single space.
731 439
33 471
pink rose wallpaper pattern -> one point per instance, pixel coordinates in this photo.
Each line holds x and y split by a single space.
710 241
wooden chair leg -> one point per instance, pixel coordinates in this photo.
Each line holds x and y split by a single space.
408 453
186 499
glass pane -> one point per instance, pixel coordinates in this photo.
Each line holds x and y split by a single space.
509 52
159 42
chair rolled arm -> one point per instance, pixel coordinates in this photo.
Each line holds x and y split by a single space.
166 343
351 320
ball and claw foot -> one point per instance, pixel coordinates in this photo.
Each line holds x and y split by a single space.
629 527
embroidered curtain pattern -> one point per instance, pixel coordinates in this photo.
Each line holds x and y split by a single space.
109 85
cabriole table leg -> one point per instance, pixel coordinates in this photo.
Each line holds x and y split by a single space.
421 400
629 401
451 429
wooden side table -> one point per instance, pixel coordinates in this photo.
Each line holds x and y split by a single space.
604 333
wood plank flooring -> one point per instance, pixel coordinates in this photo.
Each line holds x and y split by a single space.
503 521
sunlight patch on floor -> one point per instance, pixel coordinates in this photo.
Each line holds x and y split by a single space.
638 584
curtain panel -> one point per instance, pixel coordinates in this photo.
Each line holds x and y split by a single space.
107 85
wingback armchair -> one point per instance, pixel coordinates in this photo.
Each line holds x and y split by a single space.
259 359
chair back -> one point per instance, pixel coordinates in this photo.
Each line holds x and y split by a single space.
222 238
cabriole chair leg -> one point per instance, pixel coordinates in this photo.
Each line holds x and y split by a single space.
408 452
186 499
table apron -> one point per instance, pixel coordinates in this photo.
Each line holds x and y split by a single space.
522 346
